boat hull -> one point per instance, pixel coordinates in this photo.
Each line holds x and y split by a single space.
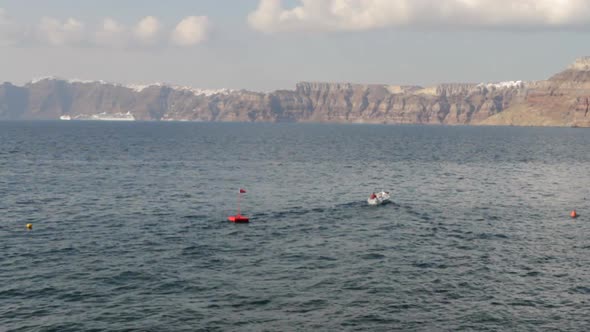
382 198
100 117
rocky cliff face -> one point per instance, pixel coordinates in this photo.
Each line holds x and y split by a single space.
443 104
13 101
561 100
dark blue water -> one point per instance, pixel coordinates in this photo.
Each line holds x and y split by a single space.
130 231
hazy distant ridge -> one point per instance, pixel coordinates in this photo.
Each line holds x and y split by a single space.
559 101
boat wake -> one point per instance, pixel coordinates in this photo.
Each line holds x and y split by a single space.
340 211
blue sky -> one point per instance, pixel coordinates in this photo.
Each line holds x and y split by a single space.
268 44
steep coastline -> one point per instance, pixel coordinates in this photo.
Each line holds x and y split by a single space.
562 100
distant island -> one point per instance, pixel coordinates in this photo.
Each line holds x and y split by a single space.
562 100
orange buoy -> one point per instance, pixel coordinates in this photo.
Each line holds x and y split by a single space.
573 214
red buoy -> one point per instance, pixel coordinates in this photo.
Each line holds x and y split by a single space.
239 218
573 214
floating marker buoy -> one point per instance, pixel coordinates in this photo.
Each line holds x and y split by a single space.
239 218
29 226
573 214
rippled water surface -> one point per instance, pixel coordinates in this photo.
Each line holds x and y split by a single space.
130 231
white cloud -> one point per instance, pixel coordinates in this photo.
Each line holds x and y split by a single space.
350 15
191 31
54 32
112 34
147 30
10 32
109 33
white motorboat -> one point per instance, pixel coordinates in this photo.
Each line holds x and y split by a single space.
378 198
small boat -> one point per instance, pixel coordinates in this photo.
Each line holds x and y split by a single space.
378 198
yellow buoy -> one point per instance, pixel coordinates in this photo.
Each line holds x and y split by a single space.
29 226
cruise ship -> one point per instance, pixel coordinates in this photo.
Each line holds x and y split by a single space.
100 117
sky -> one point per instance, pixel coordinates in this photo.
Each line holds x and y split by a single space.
264 45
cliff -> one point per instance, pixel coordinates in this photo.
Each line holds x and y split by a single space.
562 100
13 101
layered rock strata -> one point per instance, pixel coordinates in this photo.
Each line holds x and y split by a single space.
562 100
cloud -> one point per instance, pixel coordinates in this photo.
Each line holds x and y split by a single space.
112 34
57 33
10 32
191 31
354 15
54 32
147 30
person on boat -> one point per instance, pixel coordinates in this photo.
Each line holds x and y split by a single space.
373 196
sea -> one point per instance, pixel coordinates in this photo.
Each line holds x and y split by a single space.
130 230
